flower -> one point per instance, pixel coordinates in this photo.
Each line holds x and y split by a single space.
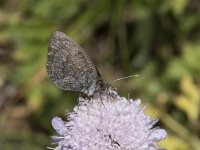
107 122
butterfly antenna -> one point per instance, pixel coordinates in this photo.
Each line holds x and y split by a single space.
135 75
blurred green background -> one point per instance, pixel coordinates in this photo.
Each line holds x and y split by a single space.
159 40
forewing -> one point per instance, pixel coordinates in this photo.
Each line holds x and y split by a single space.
68 65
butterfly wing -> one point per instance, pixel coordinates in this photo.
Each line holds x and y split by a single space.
68 65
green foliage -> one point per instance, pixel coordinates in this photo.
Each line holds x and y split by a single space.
159 40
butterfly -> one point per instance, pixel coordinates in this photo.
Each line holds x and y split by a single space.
70 68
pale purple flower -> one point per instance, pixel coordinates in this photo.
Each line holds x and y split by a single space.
107 122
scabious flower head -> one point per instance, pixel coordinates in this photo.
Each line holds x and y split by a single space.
107 122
